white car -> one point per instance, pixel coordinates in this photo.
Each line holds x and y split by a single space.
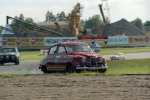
117 56
95 47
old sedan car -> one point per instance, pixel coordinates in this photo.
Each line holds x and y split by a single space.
117 56
9 55
72 56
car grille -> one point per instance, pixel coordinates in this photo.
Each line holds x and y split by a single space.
93 61
8 57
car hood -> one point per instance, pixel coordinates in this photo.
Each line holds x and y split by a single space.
7 53
86 54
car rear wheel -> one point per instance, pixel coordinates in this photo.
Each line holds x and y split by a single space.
44 69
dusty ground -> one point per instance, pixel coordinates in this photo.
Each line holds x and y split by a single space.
51 87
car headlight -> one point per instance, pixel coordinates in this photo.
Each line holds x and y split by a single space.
100 59
83 59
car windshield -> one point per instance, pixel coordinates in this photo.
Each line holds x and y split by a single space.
82 48
8 50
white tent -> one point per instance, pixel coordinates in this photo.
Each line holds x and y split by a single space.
6 33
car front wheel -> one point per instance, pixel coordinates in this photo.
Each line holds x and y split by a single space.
102 70
70 68
16 62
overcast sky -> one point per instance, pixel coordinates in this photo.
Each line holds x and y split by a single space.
36 9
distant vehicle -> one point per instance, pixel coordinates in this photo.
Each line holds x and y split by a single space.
72 56
9 54
95 47
117 56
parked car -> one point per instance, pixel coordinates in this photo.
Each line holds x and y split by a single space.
72 56
95 47
9 54
117 56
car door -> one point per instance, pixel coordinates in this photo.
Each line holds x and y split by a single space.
59 58
121 56
50 58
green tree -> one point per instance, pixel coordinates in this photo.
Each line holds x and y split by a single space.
147 23
15 22
62 16
28 26
21 17
138 23
94 21
50 16
21 24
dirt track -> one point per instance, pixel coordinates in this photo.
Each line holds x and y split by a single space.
51 87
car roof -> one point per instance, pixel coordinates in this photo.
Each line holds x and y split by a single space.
71 43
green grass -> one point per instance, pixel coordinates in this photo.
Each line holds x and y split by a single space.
136 66
31 55
124 50
37 56
115 67
12 75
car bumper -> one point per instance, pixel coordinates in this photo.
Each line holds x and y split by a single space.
8 61
91 68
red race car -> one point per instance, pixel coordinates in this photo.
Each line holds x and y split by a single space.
72 56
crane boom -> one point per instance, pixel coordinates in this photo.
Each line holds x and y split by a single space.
101 10
8 17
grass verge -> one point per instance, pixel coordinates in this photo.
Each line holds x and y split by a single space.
37 56
115 68
124 50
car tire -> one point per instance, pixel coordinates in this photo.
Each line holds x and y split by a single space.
70 68
103 70
16 62
78 71
44 69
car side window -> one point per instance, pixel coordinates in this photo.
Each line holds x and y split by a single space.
52 50
61 50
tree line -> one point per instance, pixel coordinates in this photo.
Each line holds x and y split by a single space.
91 22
